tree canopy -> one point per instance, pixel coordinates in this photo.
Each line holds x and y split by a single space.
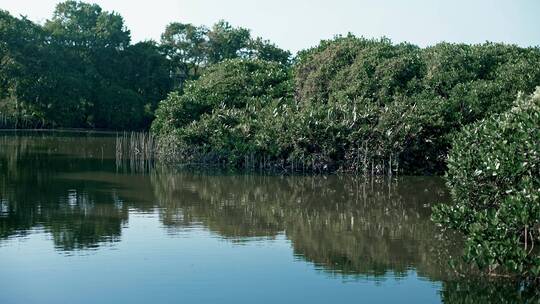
79 68
193 48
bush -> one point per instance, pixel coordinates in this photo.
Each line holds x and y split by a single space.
232 83
223 116
404 102
494 179
359 105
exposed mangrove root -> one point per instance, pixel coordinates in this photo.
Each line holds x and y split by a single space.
361 161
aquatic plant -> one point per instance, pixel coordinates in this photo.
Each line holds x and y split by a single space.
135 151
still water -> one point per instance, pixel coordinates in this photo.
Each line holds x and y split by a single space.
77 226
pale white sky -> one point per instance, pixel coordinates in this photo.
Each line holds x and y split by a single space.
297 24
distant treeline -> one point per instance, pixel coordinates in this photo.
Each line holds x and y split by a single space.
79 68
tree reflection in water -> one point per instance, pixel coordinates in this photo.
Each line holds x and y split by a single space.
70 187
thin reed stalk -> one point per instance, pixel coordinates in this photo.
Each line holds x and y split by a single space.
135 151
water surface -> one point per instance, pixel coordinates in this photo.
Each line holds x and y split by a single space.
78 226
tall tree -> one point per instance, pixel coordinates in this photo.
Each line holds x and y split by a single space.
193 48
186 46
21 70
146 72
265 50
227 42
86 25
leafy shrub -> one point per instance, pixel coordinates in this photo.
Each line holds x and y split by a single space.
220 116
494 179
359 105
404 102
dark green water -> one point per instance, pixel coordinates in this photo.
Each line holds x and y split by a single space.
76 226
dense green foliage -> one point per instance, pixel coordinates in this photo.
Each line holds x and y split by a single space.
223 116
494 179
359 105
192 48
406 101
79 69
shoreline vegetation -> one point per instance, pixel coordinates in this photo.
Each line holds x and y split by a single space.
218 96
350 105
